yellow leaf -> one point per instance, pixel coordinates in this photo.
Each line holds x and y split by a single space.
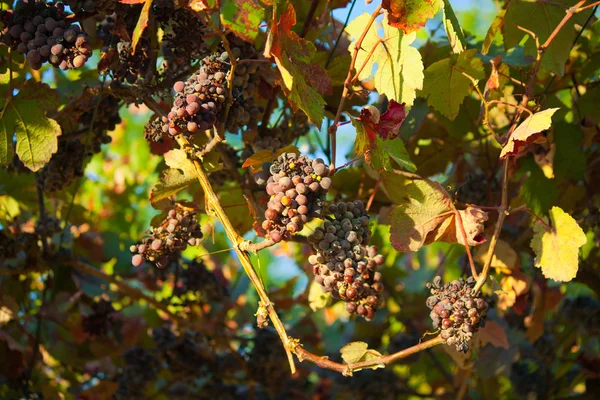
528 131
557 247
512 287
504 255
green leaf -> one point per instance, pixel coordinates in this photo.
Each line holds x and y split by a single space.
426 208
542 18
399 71
557 247
456 37
174 179
570 160
397 151
243 17
528 131
410 15
141 25
302 80
356 352
317 297
492 32
538 192
36 134
7 132
446 86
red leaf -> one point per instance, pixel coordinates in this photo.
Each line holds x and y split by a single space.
391 120
386 125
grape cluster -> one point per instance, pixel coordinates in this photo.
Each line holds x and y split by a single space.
477 189
100 321
297 186
456 311
102 116
178 230
265 361
197 278
41 32
47 226
343 262
186 353
22 246
141 367
90 6
178 46
583 312
65 166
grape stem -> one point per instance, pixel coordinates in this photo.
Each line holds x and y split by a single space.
503 209
215 208
347 369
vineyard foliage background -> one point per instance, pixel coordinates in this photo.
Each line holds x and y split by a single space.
299 199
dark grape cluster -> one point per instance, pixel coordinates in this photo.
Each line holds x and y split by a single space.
47 226
178 230
66 165
22 246
195 277
178 46
456 311
41 32
477 189
266 361
101 320
141 367
297 186
90 6
187 353
102 116
583 312
343 263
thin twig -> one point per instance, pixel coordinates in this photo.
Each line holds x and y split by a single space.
346 369
348 84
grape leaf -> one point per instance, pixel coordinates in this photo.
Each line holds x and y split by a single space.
513 286
379 152
36 134
557 247
141 25
428 216
528 131
174 179
542 18
7 132
504 257
399 71
256 160
302 81
427 207
494 334
492 32
455 34
538 191
446 86
317 297
243 17
356 352
410 15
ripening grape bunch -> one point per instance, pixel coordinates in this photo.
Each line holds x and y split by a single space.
66 165
41 32
343 263
90 6
178 230
297 186
101 320
456 311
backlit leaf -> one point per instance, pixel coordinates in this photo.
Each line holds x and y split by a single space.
410 15
456 37
179 176
446 86
528 131
399 71
557 247
243 17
